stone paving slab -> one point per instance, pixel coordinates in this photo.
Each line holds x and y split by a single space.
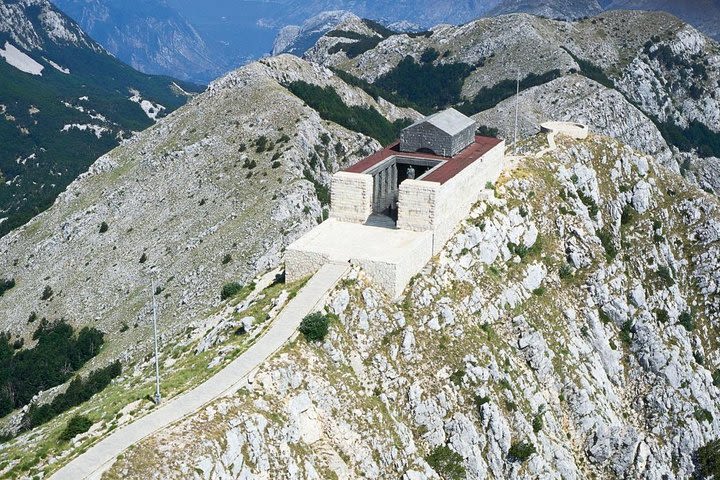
92 463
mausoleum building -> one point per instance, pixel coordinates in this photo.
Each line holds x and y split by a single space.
399 206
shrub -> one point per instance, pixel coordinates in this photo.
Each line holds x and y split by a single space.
626 333
330 106
565 272
708 460
703 415
77 425
662 315
716 377
229 290
628 215
275 164
315 327
47 293
6 284
686 320
226 259
665 275
104 227
540 291
447 463
521 451
606 239
457 376
143 258
538 422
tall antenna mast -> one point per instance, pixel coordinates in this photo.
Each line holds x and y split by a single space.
517 112
158 397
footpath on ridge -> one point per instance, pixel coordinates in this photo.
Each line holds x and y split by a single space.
92 463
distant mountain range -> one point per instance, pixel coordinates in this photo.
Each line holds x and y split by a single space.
149 35
199 41
64 102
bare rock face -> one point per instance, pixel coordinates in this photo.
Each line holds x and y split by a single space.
500 341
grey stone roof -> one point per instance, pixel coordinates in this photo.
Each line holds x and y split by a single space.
449 121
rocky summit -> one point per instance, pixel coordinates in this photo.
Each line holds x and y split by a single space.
568 329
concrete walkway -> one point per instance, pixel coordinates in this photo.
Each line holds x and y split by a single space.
92 463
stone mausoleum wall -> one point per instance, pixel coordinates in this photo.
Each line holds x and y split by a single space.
426 135
351 197
439 207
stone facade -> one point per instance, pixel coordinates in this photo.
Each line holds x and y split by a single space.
446 134
430 206
351 197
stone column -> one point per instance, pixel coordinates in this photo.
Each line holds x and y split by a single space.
383 190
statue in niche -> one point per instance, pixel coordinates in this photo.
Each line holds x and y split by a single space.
411 173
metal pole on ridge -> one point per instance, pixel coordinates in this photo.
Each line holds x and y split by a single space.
517 112
158 397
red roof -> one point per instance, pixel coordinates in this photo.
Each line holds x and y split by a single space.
442 174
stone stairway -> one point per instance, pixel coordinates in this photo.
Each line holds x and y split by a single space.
92 463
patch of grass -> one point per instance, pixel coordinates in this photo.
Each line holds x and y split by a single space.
447 463
665 276
703 415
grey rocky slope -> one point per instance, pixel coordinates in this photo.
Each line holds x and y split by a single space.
575 310
549 8
194 202
297 39
664 67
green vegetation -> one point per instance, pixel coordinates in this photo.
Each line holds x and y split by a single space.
662 315
447 463
430 87
628 215
315 327
77 392
716 377
521 451
104 227
538 422
457 376
321 190
626 333
606 239
488 97
703 415
591 71
77 425
60 156
697 136
362 43
6 284
479 402
47 293
229 290
686 320
665 275
708 460
51 362
330 106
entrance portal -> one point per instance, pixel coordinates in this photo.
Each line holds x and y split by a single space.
387 177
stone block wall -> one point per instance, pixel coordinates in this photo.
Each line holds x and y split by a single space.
429 206
416 205
301 263
456 197
425 135
351 197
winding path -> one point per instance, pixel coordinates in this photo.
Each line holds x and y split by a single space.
99 457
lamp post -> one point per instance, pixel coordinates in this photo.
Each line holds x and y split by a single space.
158 397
